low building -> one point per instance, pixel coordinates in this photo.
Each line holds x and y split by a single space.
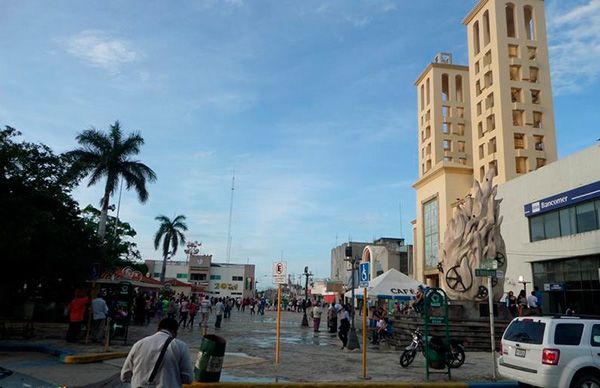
551 228
232 280
175 269
199 272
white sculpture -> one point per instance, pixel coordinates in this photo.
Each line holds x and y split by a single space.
472 237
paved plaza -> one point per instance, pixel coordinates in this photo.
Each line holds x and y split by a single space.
305 356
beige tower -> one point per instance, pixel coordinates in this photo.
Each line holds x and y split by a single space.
445 159
511 108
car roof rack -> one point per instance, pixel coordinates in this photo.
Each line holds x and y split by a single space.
580 316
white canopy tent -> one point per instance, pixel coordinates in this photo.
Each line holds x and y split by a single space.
391 284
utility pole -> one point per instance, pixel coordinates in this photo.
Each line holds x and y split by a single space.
352 338
230 214
304 317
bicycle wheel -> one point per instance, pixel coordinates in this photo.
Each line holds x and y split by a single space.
407 358
456 358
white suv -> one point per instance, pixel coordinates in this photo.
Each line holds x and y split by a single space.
561 351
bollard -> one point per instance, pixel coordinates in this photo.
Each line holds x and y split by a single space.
209 361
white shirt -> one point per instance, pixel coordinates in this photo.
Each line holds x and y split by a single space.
176 368
205 306
99 308
532 301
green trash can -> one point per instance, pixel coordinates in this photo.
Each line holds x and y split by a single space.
436 353
209 361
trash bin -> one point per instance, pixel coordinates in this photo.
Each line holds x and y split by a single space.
436 353
209 361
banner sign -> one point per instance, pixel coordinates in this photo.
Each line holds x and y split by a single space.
571 197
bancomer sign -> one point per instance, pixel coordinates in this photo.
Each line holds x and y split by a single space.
571 197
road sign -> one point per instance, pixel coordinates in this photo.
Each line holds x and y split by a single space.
489 264
363 274
484 272
279 272
499 274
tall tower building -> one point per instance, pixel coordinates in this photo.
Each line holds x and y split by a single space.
445 156
511 109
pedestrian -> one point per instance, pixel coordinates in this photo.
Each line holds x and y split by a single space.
532 302
511 303
219 311
193 308
521 302
172 309
158 309
316 316
183 311
205 310
379 331
76 310
99 314
332 318
344 319
252 306
540 298
159 360
149 310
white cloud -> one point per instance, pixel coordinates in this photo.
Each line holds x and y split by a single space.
99 49
574 44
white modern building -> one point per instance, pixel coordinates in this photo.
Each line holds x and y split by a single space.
175 269
231 280
551 227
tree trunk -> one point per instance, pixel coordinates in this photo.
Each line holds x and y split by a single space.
103 214
163 270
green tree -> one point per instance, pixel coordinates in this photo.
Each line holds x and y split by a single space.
110 155
171 234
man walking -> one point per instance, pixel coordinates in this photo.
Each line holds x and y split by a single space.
99 314
332 318
316 316
205 309
344 319
159 360
219 310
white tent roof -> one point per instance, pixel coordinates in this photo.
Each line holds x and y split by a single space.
391 284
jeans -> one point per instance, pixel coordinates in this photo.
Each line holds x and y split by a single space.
343 333
218 321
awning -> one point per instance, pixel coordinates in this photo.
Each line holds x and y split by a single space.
392 284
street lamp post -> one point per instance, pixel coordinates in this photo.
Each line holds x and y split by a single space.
524 283
352 338
192 249
304 317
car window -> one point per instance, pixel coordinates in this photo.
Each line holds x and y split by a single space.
595 340
568 333
525 330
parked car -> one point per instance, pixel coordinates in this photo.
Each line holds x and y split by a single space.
545 351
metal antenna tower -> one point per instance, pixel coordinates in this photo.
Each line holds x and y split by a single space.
230 213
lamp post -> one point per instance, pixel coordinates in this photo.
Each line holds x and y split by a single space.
192 249
352 338
304 317
524 283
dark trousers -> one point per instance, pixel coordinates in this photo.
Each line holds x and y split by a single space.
183 318
333 325
73 331
218 321
344 329
191 322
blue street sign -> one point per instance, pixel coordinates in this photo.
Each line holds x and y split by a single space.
363 272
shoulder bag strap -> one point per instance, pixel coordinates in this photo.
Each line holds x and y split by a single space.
160 358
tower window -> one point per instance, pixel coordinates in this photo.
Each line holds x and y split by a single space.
517 116
489 101
447 145
460 112
422 97
529 22
447 158
521 164
481 173
535 96
478 108
515 73
516 95
427 91
460 129
519 139
478 87
459 88
487 58
488 79
513 51
446 111
481 151
490 123
461 146
476 37
531 53
538 142
486 28
446 127
480 130
533 74
492 146
540 162
445 87
477 67
510 20
537 119
494 165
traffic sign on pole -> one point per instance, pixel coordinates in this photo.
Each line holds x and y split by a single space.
280 272
364 274
484 272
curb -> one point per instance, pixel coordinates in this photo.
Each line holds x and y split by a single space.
92 357
67 356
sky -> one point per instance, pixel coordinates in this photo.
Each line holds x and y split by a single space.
311 103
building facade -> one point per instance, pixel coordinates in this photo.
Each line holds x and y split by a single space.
551 228
231 280
175 269
503 119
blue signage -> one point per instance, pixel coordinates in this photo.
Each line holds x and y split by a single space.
571 197
363 274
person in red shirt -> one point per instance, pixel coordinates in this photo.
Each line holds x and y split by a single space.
76 314
193 309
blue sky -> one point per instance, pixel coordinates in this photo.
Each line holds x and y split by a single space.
311 102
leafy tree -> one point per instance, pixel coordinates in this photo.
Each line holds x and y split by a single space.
110 155
171 234
45 245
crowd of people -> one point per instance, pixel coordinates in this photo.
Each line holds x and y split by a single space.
523 303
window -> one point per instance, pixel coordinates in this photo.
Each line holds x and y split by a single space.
215 277
521 164
446 111
476 37
428 165
492 146
513 51
429 149
446 128
536 228
515 94
552 225
459 129
477 67
488 79
427 132
460 112
487 58
529 22
447 158
481 173
531 53
447 145
537 119
510 20
198 276
459 88
540 162
515 72
533 74
182 276
586 217
481 151
427 94
486 28
519 141
535 96
445 88
493 166
490 123
538 141
526 331
595 339
462 160
237 278
422 97
478 88
431 236
480 130
478 108
568 222
489 101
517 118
568 333
461 146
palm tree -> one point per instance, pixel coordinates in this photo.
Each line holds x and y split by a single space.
171 234
109 155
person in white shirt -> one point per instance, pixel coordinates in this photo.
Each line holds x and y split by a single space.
99 315
532 301
174 369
